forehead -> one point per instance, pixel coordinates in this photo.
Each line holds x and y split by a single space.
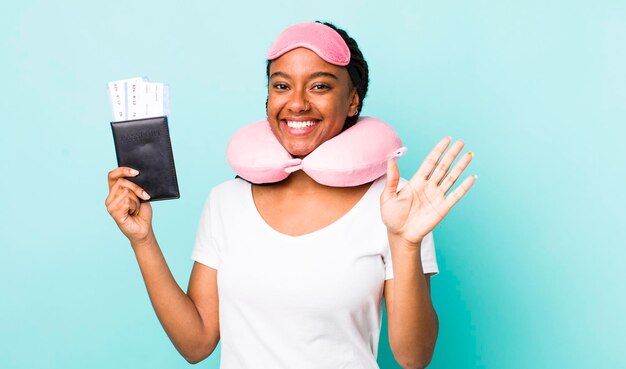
303 62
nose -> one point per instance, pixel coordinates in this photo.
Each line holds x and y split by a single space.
298 102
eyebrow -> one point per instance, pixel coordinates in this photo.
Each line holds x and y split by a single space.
313 75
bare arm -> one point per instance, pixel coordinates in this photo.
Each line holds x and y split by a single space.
412 320
410 214
191 320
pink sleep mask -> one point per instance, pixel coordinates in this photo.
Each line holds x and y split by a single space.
317 37
356 156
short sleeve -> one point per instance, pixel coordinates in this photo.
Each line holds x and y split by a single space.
206 249
429 259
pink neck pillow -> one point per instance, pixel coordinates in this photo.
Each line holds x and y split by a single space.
356 156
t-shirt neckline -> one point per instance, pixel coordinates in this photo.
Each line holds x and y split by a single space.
337 223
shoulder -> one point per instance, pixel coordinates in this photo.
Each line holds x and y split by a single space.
226 199
233 187
228 192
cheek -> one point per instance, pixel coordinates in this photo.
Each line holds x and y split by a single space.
339 107
276 100
327 104
271 106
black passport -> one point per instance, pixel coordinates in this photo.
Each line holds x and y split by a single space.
144 144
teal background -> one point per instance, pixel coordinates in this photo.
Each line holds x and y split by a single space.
531 261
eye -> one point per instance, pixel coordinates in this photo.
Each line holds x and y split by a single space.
320 86
280 86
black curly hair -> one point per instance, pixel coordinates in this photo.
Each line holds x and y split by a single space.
357 69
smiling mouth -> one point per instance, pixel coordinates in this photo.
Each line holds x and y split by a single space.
300 124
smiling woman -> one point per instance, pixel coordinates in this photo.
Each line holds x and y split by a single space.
291 273
309 100
333 52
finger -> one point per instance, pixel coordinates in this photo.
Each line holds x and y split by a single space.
460 191
127 206
444 164
124 183
120 172
135 206
431 160
448 181
123 205
393 177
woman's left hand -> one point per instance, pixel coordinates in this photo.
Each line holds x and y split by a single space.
421 204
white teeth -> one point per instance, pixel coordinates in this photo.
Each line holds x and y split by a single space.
292 124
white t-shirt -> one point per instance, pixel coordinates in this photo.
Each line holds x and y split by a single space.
311 301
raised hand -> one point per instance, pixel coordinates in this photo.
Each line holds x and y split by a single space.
133 217
421 204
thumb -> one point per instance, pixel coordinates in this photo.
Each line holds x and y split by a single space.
393 177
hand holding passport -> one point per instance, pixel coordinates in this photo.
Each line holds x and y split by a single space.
141 135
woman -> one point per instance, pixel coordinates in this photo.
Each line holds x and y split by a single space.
303 266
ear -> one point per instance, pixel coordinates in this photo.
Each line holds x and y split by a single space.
354 102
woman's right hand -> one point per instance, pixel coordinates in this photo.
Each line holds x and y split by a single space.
133 217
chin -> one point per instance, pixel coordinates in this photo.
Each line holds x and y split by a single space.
299 151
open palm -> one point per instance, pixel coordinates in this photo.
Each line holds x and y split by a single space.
421 204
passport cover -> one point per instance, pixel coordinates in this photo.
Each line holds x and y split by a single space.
144 144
